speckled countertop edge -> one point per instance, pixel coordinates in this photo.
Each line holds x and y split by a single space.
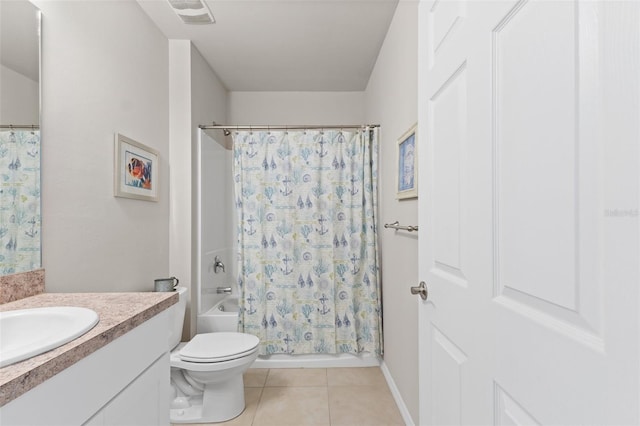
118 313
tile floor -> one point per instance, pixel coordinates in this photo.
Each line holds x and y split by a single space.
317 396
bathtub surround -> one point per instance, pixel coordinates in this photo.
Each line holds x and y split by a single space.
216 213
308 261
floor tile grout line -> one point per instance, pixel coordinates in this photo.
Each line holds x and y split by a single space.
253 419
326 380
264 384
255 416
328 402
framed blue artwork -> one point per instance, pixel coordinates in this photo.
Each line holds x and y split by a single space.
407 177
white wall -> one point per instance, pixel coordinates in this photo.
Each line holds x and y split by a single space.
391 100
180 227
19 98
296 108
104 71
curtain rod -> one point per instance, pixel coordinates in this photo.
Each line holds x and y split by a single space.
283 127
19 126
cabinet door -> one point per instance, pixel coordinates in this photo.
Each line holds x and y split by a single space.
145 401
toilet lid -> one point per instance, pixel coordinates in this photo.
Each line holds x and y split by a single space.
217 347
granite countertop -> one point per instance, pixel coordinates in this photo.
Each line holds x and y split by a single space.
118 313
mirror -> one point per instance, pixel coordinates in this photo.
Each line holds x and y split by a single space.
20 248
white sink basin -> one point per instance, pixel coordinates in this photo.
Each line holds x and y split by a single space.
30 332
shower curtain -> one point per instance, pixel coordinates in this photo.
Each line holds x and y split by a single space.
19 201
307 239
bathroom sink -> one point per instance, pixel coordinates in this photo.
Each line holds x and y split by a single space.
29 332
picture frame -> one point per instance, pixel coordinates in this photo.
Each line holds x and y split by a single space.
407 162
135 170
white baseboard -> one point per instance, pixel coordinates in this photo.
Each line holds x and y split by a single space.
396 395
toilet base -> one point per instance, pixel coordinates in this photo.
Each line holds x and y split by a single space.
218 403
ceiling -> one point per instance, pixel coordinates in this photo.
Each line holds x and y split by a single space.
285 45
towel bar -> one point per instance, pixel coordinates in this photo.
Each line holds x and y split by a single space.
396 225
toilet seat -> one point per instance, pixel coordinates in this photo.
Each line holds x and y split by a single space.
218 347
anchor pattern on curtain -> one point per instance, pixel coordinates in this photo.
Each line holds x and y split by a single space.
307 240
19 201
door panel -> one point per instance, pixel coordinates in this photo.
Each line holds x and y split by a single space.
448 109
536 149
509 412
447 370
539 155
444 17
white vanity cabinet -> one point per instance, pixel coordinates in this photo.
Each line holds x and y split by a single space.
125 382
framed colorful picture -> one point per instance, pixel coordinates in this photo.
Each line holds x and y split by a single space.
407 177
136 170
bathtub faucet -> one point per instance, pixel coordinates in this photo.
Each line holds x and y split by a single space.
217 263
223 290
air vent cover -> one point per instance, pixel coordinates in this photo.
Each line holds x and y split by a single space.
192 11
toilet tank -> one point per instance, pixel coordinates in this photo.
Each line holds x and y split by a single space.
177 313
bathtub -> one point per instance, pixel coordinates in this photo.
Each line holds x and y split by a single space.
223 316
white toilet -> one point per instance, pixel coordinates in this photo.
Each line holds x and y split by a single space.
206 373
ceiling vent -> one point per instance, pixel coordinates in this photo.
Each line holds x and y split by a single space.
192 11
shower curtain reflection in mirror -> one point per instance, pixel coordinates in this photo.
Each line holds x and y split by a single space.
308 260
19 201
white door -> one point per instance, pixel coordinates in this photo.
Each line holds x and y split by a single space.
529 150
